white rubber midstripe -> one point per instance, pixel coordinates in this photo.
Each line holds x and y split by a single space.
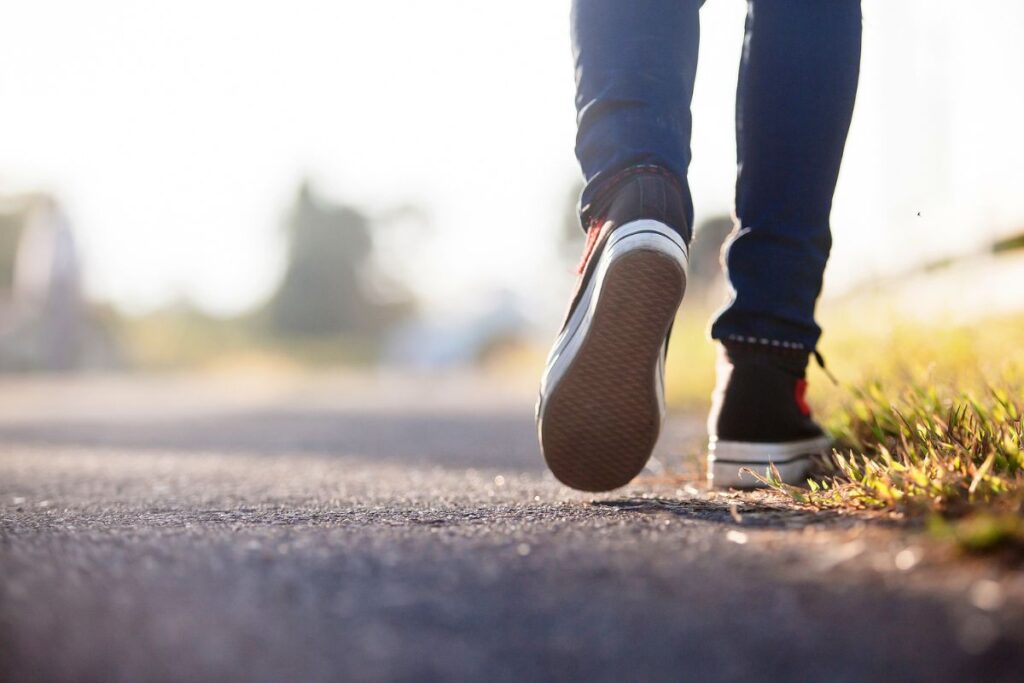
728 461
747 452
722 475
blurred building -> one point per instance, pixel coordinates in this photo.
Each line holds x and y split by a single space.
44 323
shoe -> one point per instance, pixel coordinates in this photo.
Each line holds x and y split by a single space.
601 402
760 417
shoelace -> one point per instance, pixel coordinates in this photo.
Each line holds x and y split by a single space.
820 360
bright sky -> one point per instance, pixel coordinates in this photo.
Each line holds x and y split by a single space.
175 133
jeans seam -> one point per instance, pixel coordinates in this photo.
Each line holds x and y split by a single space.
764 341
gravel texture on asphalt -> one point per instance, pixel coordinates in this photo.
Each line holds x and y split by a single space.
375 529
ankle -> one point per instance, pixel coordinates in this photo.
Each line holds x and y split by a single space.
787 358
636 193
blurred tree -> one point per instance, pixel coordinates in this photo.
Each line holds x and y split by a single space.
326 289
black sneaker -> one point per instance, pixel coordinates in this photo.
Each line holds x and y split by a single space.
759 415
602 393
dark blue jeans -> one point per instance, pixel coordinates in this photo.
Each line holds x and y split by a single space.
635 65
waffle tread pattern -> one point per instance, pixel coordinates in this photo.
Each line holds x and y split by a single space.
602 419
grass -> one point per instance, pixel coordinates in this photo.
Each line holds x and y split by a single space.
956 461
919 452
931 428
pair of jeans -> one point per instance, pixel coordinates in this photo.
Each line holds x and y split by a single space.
636 61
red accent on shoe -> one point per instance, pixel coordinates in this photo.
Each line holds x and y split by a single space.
801 397
592 233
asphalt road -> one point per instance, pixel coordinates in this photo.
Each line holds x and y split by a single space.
376 530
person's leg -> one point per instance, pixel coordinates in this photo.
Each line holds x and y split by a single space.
635 66
798 80
601 402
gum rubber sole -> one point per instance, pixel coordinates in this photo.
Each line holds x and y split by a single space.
602 420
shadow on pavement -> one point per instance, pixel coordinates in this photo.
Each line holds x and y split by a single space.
749 513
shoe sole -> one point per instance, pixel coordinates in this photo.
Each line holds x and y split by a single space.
600 419
729 461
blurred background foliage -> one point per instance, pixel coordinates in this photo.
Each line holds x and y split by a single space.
334 303
441 231
338 301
